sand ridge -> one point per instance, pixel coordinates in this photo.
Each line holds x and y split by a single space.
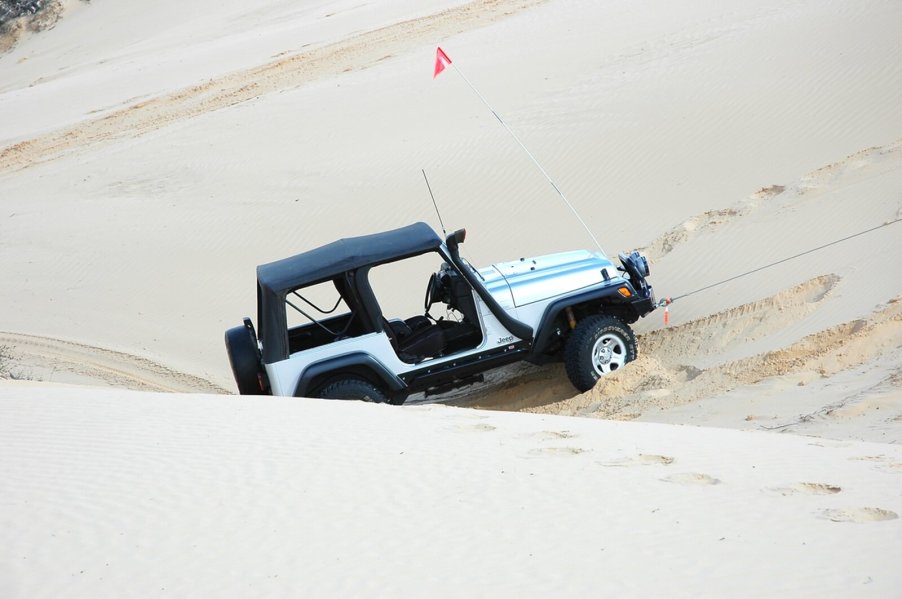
664 375
304 66
57 360
109 491
750 343
195 206
174 146
875 160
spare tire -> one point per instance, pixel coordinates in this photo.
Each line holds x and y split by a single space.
244 358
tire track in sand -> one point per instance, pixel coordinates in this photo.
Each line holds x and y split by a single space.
652 384
109 367
663 377
355 53
874 158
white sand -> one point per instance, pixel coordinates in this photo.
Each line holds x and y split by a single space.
152 154
109 493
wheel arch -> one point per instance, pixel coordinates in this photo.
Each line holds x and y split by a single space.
606 300
357 364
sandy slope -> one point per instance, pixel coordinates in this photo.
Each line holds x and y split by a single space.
108 493
46 359
149 170
137 210
802 335
352 52
148 167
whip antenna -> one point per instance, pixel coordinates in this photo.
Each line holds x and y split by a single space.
441 62
429 187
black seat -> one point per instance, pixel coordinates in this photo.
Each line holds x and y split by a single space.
415 340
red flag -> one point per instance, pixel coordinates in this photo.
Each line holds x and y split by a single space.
441 61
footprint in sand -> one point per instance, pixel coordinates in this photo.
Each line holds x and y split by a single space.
870 458
831 444
804 489
552 435
692 478
884 463
857 514
643 459
475 427
562 451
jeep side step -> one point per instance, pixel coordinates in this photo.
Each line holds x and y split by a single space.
456 384
465 369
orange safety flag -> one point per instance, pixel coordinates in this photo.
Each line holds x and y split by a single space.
441 61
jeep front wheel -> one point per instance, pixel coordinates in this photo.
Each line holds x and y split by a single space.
598 345
352 388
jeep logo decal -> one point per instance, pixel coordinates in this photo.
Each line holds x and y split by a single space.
503 340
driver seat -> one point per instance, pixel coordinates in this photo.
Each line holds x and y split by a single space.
416 339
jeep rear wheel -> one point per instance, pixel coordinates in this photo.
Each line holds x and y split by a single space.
352 388
598 345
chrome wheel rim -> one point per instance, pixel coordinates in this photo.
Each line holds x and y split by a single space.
608 354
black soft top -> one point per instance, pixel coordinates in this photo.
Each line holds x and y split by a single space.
277 279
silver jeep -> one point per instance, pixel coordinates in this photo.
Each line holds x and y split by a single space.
574 307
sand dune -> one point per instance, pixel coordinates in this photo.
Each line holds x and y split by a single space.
157 227
44 358
168 297
665 377
152 156
110 492
793 334
285 73
751 319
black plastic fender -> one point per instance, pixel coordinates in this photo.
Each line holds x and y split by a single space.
545 328
357 363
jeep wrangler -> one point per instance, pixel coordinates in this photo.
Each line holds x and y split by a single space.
574 307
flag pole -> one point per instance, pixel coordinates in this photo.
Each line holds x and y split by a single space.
440 54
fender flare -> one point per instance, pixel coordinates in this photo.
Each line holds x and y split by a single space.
357 361
554 309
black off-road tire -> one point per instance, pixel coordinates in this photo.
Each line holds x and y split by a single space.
352 388
598 345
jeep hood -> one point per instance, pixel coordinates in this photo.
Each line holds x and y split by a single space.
529 280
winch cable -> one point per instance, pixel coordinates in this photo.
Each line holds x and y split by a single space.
669 300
